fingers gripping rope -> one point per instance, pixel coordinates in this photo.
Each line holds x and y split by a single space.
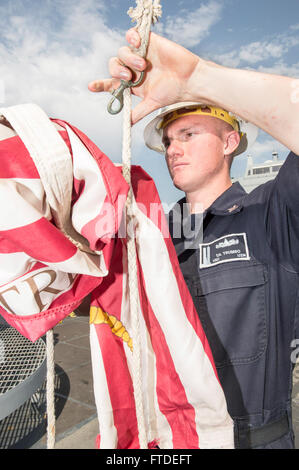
146 13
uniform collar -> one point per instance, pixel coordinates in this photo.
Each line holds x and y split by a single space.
230 202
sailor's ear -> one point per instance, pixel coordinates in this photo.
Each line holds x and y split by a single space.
231 142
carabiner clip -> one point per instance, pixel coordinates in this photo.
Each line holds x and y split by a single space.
118 94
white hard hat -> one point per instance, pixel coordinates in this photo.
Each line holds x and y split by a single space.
153 132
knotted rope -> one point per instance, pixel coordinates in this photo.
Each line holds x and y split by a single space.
145 13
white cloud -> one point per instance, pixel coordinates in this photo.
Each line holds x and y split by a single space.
190 27
264 148
281 68
259 51
228 59
50 50
51 61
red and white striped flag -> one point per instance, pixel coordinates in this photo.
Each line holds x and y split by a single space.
49 263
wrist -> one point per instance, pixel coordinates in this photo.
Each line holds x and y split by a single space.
198 87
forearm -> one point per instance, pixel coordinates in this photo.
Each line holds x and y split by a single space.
269 101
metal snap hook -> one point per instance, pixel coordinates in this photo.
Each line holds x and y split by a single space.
118 94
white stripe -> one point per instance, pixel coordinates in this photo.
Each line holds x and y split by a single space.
48 151
83 263
202 388
108 431
17 211
159 421
35 291
21 298
13 265
32 190
156 423
90 203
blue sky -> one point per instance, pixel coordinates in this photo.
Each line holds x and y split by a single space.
51 49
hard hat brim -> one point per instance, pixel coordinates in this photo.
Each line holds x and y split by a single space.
153 133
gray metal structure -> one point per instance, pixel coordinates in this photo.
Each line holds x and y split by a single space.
256 174
22 368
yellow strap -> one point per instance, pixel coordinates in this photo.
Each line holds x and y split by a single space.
203 110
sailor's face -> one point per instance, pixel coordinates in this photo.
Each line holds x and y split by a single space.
194 151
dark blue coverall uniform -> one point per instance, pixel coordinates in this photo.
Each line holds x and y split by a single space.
243 277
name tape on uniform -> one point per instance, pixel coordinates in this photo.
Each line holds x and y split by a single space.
232 247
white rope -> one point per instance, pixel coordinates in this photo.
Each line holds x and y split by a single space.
50 390
145 13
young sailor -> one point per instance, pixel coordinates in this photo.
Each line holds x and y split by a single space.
243 273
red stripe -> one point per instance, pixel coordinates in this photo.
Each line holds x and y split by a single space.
144 187
9 246
78 188
16 161
171 395
35 326
109 293
41 240
65 137
100 230
109 297
98 442
120 387
115 183
147 198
